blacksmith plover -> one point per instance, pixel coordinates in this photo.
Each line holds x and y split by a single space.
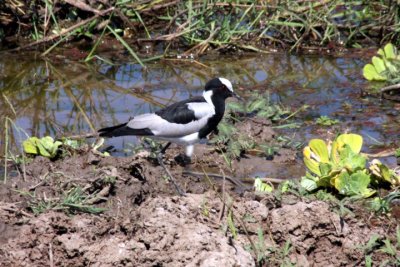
184 123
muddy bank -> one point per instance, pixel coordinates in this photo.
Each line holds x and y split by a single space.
145 223
187 231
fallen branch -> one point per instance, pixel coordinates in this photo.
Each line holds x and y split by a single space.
390 88
83 6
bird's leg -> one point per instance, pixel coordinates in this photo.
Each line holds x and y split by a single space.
160 161
165 148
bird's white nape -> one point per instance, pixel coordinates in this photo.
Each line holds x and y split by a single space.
207 96
227 83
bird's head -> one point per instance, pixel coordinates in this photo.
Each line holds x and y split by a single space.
220 87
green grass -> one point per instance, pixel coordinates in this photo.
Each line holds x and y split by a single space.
72 201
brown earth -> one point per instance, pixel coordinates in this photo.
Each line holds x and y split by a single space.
147 224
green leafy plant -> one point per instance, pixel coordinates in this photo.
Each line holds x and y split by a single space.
326 121
45 146
385 66
382 204
260 186
341 166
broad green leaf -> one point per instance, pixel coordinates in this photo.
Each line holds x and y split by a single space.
30 146
335 153
355 141
42 150
320 149
308 184
378 64
381 52
310 163
325 168
355 184
391 67
390 52
47 142
355 162
51 147
371 74
324 181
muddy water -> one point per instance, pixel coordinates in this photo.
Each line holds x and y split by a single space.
63 97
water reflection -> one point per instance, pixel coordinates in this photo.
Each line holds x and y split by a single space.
67 98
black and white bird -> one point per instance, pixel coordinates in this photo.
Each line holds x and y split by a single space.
185 122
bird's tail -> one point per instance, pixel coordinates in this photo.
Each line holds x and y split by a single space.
121 130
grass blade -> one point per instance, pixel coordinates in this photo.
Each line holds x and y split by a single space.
126 46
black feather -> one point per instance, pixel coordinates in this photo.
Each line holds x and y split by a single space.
179 112
123 129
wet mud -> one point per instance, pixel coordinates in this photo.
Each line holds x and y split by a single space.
145 222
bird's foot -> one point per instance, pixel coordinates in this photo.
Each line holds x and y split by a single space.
183 159
171 178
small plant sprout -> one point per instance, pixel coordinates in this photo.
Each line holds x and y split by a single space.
326 121
260 186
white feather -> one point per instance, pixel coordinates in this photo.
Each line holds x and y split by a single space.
202 109
163 128
227 83
207 96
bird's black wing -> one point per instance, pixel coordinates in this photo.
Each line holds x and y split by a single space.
180 112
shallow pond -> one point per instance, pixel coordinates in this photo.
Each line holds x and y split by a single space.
63 97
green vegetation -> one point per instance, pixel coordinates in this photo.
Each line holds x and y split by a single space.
261 186
385 66
326 121
201 25
72 201
386 246
381 205
233 144
45 146
397 153
340 166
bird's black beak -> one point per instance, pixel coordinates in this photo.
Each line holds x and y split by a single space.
238 97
